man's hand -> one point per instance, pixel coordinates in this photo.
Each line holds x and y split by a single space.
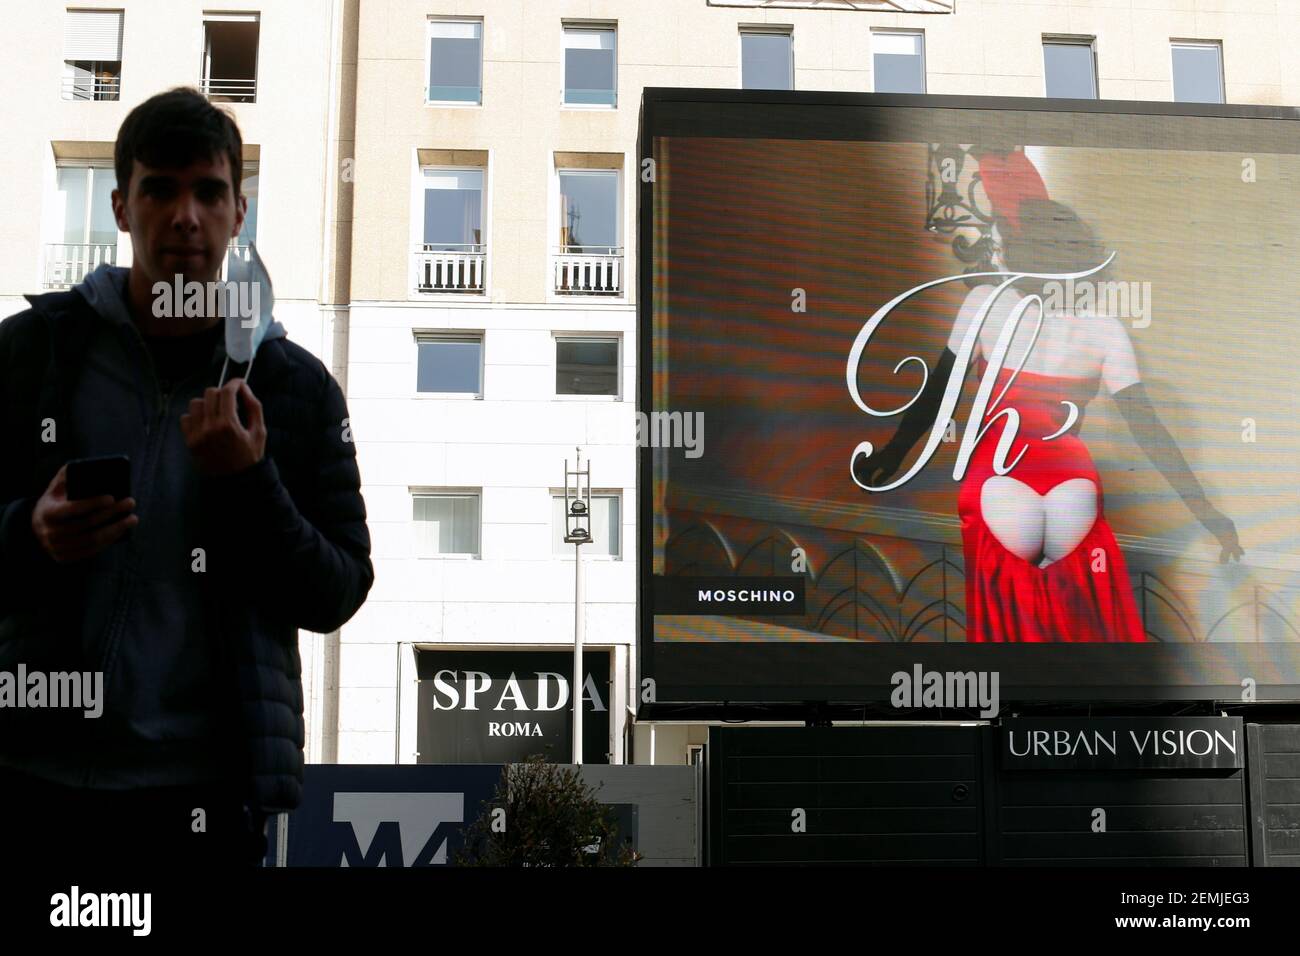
73 530
220 444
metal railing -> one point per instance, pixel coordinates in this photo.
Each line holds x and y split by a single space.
91 88
589 270
235 250
230 91
450 267
67 263
900 588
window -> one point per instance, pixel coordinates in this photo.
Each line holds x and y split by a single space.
446 523
1198 72
453 209
589 259
455 62
451 255
87 232
86 208
248 186
589 66
589 210
766 60
230 57
92 55
449 363
586 365
238 247
899 61
1070 67
604 525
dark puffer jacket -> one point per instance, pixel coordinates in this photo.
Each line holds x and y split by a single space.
289 547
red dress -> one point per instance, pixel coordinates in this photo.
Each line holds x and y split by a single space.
1007 597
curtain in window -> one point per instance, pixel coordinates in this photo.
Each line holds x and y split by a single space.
446 524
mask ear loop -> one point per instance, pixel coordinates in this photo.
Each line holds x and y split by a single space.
247 372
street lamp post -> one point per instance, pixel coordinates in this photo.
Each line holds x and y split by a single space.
577 528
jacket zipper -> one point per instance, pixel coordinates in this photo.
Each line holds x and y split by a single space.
153 441
153 430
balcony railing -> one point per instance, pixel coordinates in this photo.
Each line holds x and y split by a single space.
91 88
450 267
66 264
589 270
236 250
230 91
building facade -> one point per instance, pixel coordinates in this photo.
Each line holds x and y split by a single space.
444 193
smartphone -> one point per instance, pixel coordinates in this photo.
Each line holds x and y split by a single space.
92 477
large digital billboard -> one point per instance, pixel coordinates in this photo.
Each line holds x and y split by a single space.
967 383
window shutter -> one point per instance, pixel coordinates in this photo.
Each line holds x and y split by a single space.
456 30
453 179
576 38
897 44
93 35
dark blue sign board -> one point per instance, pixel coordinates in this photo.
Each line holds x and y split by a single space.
383 815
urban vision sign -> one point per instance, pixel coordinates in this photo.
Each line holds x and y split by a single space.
1123 743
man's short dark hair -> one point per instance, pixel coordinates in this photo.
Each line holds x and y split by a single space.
171 130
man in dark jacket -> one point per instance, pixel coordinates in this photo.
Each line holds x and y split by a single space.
245 522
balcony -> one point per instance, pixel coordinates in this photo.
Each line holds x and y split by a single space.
448 267
589 270
230 91
229 70
105 87
236 250
66 264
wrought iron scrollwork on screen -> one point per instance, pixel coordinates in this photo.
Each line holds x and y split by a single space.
956 205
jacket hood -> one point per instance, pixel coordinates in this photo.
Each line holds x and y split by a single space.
105 290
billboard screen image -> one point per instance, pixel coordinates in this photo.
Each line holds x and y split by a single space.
971 383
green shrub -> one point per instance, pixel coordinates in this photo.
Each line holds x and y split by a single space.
551 818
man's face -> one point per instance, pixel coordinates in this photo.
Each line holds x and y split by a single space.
180 220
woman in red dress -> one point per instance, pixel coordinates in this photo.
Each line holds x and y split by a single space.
1042 564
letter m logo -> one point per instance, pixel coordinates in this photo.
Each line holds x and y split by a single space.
397 829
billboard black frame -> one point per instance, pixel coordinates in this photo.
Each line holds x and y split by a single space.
785 114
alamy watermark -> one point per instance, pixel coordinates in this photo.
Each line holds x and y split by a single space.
75 909
76 690
1120 300
193 299
952 689
671 430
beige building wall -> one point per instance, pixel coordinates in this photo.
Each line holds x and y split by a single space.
988 47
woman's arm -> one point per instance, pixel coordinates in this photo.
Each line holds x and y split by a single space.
920 417
917 420
1120 375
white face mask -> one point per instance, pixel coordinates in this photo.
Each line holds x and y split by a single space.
245 333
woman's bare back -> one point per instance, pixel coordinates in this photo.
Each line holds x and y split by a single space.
1070 346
